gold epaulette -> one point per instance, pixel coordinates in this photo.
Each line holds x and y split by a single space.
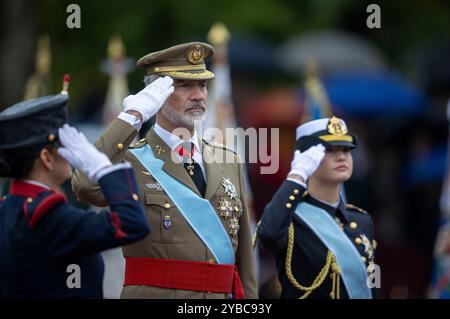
218 146
353 207
139 143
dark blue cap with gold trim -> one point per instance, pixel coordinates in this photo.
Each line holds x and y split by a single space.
33 122
327 131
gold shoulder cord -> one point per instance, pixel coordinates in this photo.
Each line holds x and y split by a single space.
255 235
330 262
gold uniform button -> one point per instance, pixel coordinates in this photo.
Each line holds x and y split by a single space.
166 205
211 261
358 240
291 197
29 200
135 197
353 225
120 146
288 205
363 259
51 137
296 191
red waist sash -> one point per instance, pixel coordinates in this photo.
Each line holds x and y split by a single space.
184 275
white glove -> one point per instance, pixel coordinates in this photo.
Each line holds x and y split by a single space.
306 163
81 154
149 100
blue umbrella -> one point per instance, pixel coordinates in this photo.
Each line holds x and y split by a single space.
374 94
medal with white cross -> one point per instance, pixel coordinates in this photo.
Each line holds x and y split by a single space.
230 190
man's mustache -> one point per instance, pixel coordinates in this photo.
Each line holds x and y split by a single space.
196 106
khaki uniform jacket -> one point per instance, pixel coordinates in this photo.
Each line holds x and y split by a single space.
179 241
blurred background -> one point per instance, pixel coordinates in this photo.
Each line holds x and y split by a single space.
278 63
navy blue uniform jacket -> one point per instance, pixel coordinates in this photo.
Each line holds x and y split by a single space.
41 236
309 253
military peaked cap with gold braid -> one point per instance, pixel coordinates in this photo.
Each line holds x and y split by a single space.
327 131
182 62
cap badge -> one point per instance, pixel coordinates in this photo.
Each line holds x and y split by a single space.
336 126
195 54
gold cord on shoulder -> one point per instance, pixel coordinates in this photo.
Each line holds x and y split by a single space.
255 235
330 265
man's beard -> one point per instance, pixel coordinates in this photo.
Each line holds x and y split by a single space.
182 119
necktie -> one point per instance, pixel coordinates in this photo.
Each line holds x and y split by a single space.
186 150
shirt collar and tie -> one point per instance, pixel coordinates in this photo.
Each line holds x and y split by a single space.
190 154
174 142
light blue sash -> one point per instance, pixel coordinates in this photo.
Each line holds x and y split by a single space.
353 271
197 211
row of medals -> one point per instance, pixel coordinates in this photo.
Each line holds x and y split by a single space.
229 210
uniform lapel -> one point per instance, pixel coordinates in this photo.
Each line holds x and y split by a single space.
214 171
344 211
162 151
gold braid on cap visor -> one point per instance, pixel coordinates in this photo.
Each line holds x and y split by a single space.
331 138
205 75
177 71
200 67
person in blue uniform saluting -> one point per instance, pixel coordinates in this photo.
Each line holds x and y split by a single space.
48 248
324 248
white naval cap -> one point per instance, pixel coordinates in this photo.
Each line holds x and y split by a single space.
330 131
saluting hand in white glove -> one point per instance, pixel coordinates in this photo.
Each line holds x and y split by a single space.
80 153
148 101
306 163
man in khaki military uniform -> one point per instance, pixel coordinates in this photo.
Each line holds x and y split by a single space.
200 241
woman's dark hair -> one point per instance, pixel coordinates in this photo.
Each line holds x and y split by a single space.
18 163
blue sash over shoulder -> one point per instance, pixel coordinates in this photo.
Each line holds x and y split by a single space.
353 271
197 211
